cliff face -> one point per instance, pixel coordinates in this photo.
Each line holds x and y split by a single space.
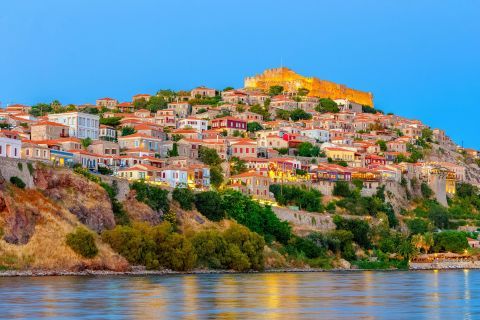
85 199
139 211
292 81
34 231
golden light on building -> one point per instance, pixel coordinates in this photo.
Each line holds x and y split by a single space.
292 81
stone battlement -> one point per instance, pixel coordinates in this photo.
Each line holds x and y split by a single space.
292 81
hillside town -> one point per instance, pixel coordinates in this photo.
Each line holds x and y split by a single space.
270 132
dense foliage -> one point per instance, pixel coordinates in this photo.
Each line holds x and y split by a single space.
82 242
306 199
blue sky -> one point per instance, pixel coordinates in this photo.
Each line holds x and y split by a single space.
419 58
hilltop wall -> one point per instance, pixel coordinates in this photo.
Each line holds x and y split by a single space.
291 81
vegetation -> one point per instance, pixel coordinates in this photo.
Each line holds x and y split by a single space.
237 166
254 126
306 149
210 157
16 181
154 197
210 204
275 90
327 105
112 121
300 114
126 131
185 197
82 242
305 199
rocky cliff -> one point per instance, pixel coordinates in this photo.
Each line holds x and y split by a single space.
34 223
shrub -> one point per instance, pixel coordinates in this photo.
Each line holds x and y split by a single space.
155 197
359 228
210 204
426 191
453 241
418 226
184 197
105 171
31 170
82 242
18 182
341 189
20 166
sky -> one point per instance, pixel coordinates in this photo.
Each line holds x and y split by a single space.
419 58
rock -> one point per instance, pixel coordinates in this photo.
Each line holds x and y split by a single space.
85 199
343 264
139 211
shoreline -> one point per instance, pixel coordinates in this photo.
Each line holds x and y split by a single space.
143 272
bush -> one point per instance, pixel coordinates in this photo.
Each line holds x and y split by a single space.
341 189
256 217
82 242
155 197
20 166
18 182
31 170
105 171
184 197
305 199
418 226
426 191
210 204
359 228
453 241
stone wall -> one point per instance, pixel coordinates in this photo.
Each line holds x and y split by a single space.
122 184
17 168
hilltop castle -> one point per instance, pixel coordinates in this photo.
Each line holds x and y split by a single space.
292 81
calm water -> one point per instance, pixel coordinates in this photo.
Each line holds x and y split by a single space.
393 295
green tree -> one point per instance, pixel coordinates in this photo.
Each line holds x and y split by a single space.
341 189
140 103
453 241
156 103
303 92
86 142
359 228
174 151
427 134
216 176
418 226
126 131
382 144
283 114
300 114
327 105
153 196
253 127
275 90
210 204
427 193
306 149
112 121
439 216
185 197
237 166
209 156
82 242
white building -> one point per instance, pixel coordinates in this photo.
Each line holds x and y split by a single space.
10 145
194 123
319 135
82 125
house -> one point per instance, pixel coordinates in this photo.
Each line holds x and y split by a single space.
104 147
235 97
346 105
126 107
195 176
10 144
85 159
202 92
185 133
108 103
340 154
249 116
18 108
152 130
139 140
198 124
188 147
319 135
230 124
283 102
251 183
166 118
139 96
182 109
243 148
473 243
34 151
142 113
47 130
374 160
397 146
82 125
107 133
140 172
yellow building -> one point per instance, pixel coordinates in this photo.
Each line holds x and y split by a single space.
340 154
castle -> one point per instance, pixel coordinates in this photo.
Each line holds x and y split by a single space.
292 81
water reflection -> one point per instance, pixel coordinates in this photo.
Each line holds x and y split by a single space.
440 294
